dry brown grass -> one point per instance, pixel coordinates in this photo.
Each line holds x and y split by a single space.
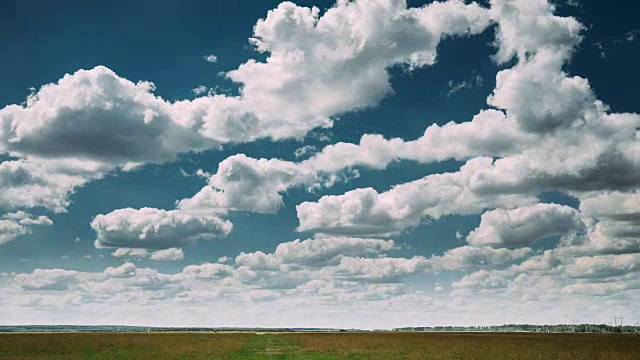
495 346
141 346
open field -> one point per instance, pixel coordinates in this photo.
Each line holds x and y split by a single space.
319 346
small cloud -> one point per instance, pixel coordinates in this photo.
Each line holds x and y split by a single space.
203 174
128 252
322 135
212 59
77 240
473 81
198 173
459 235
600 46
200 90
183 173
633 35
573 3
629 36
438 288
223 259
87 256
173 254
305 150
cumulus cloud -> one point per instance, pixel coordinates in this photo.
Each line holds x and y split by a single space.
122 271
365 211
30 185
616 206
484 279
381 269
47 279
320 251
14 225
128 252
525 225
471 258
613 225
10 230
156 229
343 55
540 96
172 254
243 183
489 133
96 115
525 27
604 266
208 271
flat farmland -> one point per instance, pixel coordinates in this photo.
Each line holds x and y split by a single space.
317 346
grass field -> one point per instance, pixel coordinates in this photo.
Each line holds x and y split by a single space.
320 346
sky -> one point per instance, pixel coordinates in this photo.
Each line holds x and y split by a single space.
355 164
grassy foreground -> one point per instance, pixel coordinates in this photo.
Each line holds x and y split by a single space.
320 346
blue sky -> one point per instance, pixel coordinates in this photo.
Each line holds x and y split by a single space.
134 201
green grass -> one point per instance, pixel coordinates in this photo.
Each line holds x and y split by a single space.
275 346
320 346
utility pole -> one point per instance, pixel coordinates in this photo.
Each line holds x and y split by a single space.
615 318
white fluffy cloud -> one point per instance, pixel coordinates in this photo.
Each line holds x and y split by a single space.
540 96
172 254
365 211
525 225
128 252
489 133
604 266
156 229
47 279
381 269
527 26
471 258
122 271
208 271
613 222
243 183
320 251
30 185
96 115
19 223
616 206
341 56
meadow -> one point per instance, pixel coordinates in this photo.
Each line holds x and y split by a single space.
319 346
